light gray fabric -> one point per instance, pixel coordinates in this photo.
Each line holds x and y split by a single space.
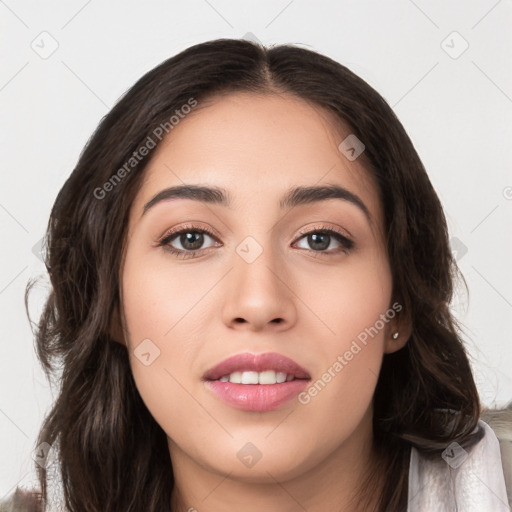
460 481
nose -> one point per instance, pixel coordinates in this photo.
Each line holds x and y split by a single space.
258 295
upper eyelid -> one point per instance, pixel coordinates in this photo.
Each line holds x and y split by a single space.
186 229
337 230
212 232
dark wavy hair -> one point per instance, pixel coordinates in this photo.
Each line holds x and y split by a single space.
112 454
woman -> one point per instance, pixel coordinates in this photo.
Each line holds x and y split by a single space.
251 282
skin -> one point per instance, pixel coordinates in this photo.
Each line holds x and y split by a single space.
256 147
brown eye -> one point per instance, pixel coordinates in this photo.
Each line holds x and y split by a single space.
320 240
186 242
189 240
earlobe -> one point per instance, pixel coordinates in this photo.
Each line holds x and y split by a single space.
397 335
392 343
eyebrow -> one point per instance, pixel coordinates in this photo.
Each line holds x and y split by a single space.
294 197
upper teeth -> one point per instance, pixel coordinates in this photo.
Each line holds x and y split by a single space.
266 377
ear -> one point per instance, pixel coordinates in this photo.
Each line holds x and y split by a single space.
116 329
398 331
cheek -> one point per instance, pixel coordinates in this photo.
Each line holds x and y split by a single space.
347 300
354 306
159 310
157 297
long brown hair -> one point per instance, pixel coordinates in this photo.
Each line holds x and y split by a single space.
112 453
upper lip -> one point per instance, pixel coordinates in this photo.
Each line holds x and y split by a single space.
256 363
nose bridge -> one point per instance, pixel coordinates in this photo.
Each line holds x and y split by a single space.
258 250
256 264
258 292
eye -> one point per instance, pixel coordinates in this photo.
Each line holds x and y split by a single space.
190 238
320 239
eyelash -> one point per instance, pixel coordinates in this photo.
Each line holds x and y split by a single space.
346 243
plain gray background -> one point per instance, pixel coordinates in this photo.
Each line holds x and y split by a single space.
444 67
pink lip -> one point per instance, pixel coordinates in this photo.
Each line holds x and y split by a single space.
256 397
257 363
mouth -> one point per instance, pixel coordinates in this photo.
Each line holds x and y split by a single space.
265 378
266 369
257 383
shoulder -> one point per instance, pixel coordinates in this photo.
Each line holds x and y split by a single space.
463 479
500 421
22 501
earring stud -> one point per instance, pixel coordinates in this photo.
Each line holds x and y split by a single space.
395 335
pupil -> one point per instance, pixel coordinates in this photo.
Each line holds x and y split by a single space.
316 237
188 238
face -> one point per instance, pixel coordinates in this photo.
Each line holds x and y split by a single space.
308 280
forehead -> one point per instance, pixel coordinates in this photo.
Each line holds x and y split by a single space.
256 147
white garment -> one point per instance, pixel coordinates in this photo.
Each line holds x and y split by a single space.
460 480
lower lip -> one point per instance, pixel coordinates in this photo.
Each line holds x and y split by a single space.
257 397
